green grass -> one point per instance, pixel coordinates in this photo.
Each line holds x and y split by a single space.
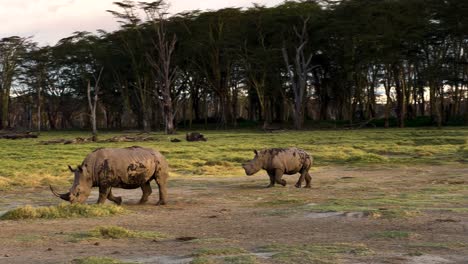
314 253
243 259
438 245
399 204
224 151
62 211
204 252
97 260
392 234
116 232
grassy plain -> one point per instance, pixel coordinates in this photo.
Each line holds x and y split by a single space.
30 163
378 196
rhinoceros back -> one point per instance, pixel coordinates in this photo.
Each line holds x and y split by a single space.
123 167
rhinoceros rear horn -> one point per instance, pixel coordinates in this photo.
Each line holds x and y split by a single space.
65 196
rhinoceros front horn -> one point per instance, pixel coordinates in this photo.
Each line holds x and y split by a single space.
65 196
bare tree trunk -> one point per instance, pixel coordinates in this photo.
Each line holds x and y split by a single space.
39 110
92 102
298 74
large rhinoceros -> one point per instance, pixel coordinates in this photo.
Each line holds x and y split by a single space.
127 168
279 161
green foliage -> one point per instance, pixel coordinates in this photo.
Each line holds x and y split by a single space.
62 211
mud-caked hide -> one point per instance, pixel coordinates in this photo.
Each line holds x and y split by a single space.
127 168
279 161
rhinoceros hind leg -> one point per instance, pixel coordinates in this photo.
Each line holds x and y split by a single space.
301 179
308 179
115 199
146 188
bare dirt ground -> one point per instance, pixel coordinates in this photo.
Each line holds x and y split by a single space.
239 212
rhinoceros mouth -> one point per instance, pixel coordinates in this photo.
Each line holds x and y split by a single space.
64 196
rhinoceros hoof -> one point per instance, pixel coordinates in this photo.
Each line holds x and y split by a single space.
118 200
297 185
161 203
308 187
269 186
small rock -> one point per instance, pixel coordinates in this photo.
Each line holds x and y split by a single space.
6 256
49 249
97 244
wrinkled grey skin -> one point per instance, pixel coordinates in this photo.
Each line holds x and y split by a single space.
279 161
128 168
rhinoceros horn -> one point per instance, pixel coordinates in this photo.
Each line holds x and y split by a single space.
65 196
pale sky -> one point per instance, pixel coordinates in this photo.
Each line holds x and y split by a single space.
50 20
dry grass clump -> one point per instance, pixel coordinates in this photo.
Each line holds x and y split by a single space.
62 211
117 232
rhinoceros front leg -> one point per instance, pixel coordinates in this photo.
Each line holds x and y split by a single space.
115 199
278 177
146 188
271 174
103 194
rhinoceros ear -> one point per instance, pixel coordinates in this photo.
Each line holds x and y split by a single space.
80 168
70 168
256 152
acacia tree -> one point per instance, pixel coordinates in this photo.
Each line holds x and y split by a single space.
132 44
161 60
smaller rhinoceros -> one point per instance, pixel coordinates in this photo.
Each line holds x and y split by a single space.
279 161
128 168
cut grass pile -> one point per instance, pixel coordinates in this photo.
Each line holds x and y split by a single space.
116 232
62 211
225 151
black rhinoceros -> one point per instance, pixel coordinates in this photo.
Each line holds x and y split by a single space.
128 168
279 161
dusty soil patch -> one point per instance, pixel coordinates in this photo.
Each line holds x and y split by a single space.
208 214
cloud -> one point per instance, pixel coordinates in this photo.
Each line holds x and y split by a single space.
51 20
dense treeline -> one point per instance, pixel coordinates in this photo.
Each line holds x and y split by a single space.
352 60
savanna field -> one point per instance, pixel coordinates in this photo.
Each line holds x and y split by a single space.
378 196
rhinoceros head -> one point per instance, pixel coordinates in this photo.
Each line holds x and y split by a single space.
80 189
253 166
